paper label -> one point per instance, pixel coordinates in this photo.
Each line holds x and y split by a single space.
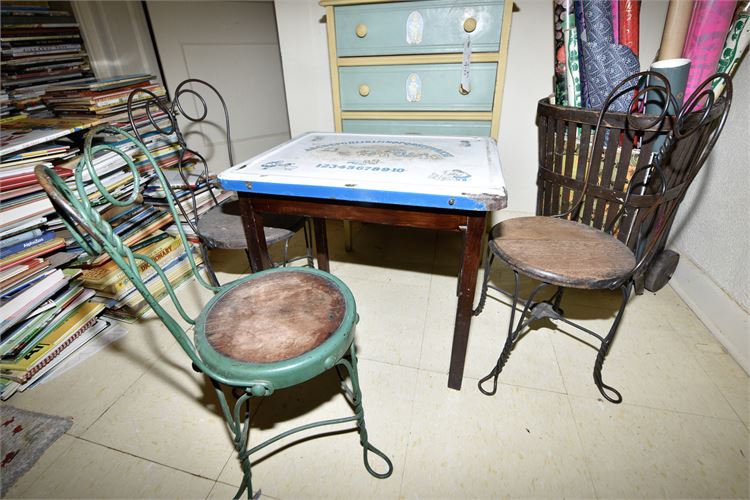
466 67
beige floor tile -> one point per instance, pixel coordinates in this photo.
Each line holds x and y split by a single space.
731 380
170 416
86 391
382 253
635 452
519 443
532 364
46 461
87 470
648 363
391 320
330 465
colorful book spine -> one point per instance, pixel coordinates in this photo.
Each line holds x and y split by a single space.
629 18
708 29
18 238
735 45
25 245
675 29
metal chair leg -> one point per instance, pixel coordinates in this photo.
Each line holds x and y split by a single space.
604 349
239 425
354 395
488 258
207 262
308 243
533 311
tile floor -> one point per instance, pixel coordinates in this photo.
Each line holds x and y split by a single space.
147 426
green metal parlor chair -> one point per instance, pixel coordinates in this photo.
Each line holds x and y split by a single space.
261 333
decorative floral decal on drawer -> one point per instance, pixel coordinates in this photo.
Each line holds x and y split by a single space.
413 88
414 28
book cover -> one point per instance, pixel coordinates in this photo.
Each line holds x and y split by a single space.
25 245
109 274
83 317
31 253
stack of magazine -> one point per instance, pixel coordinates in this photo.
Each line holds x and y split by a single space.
40 46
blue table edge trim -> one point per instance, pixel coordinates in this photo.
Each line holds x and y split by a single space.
466 201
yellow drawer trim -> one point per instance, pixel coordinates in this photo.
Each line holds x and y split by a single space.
416 115
418 59
333 3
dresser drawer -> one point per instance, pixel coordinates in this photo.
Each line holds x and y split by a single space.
419 127
418 27
423 87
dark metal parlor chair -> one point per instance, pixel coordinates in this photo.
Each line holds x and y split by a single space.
259 334
221 226
605 206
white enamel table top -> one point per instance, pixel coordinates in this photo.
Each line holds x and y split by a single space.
461 173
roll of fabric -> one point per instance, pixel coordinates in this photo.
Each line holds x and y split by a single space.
735 45
572 57
581 32
605 62
675 29
558 12
616 19
629 19
708 28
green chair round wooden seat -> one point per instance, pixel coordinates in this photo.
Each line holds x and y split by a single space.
261 333
278 327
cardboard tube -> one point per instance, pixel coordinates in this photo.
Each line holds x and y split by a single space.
675 29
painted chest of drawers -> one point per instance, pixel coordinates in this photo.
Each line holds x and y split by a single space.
428 67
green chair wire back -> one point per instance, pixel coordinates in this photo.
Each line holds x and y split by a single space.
227 351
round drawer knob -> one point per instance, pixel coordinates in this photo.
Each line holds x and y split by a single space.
470 25
462 90
361 30
364 90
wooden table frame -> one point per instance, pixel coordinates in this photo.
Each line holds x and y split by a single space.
470 223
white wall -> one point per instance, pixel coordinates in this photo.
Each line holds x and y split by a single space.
711 234
116 38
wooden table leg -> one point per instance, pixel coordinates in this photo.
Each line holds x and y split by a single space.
467 282
257 249
321 244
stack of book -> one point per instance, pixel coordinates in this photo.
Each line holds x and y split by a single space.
100 97
46 314
115 291
40 46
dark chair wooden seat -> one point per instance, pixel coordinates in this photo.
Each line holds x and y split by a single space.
562 252
221 227
603 211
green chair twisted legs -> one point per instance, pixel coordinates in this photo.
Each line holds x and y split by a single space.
267 331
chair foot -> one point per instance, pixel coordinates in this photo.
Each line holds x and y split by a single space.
354 395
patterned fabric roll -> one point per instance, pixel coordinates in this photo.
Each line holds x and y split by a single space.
735 45
629 16
705 38
561 98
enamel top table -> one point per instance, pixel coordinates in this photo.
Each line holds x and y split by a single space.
431 182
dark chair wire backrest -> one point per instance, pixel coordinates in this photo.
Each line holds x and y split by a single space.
96 235
638 209
171 110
